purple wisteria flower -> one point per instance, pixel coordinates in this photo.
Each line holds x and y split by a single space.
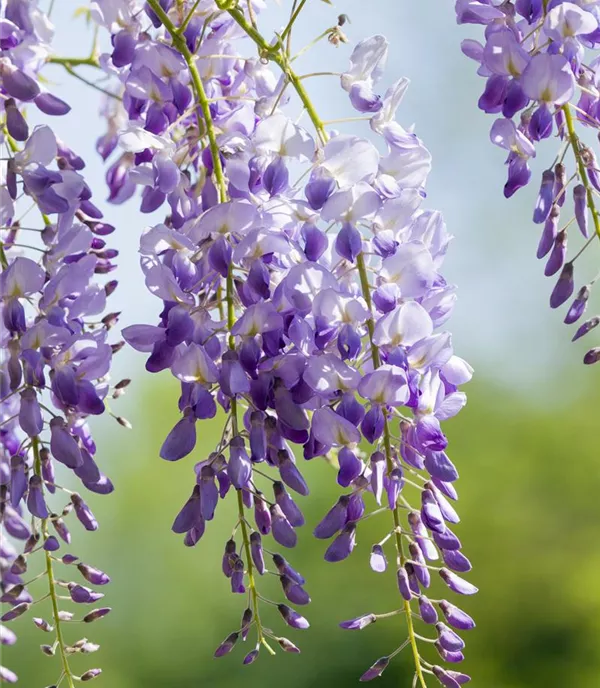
299 289
55 354
541 67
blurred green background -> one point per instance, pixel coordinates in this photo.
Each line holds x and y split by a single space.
529 504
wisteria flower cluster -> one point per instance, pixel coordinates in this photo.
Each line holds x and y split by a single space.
55 357
301 293
542 76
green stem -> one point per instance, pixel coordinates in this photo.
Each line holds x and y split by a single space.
575 145
90 61
91 84
230 305
12 144
366 290
180 44
254 596
308 46
281 59
188 18
387 443
293 18
398 537
37 467
3 258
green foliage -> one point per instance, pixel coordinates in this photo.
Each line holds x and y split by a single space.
529 503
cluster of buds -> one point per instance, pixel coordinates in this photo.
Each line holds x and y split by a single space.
541 67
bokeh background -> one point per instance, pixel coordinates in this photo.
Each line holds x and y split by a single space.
526 445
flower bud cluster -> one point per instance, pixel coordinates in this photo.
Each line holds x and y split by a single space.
540 62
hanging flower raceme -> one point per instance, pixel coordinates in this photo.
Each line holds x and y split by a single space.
300 289
402 379
541 67
55 358
215 264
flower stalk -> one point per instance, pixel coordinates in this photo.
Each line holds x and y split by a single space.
52 591
575 144
277 54
387 443
203 102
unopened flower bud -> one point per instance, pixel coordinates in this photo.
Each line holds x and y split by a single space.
376 669
43 625
91 674
227 645
96 614
288 645
15 612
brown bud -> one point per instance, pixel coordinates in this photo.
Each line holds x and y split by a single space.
43 625
110 320
19 565
96 614
91 674
110 287
12 593
288 645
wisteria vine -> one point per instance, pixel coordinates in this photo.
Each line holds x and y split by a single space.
540 68
307 310
301 298
55 356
